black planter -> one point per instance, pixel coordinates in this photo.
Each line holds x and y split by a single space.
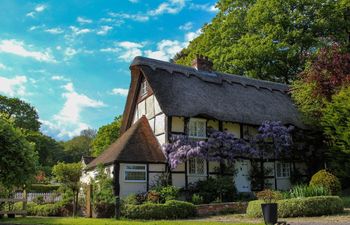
11 215
269 212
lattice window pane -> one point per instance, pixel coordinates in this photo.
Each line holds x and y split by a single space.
200 166
130 175
192 166
201 129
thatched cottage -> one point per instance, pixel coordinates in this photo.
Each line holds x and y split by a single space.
166 98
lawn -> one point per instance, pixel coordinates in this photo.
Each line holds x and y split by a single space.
86 221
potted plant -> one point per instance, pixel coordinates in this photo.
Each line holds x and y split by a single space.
269 207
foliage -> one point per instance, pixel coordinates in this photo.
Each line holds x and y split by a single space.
269 196
302 191
322 78
268 39
52 209
197 199
167 193
295 207
103 196
153 196
25 116
336 120
49 150
346 201
220 189
169 210
78 146
327 180
106 135
18 158
69 175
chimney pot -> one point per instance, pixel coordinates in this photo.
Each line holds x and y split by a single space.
202 63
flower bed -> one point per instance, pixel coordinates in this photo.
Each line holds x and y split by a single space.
294 207
221 208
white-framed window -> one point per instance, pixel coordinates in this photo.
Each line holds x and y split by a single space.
197 128
135 173
143 90
196 166
283 170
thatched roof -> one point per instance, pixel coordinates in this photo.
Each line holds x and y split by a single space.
87 159
185 91
137 145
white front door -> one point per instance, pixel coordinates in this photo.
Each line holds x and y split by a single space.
241 179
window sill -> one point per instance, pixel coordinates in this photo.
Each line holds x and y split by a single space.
134 181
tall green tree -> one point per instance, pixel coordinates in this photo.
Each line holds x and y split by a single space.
78 146
268 39
106 135
49 150
25 116
18 159
69 175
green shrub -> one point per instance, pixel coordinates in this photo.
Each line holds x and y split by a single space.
302 191
294 207
326 180
52 209
168 193
220 189
197 199
170 210
42 188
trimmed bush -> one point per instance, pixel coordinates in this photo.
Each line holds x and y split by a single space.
294 207
170 210
326 180
52 209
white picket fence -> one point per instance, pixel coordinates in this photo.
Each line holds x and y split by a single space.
48 197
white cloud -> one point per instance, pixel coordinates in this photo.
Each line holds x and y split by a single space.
192 35
55 30
40 8
14 86
77 31
135 17
59 78
104 30
70 53
134 1
166 49
83 20
170 7
120 91
37 9
129 50
18 48
186 26
2 66
204 7
113 50
67 122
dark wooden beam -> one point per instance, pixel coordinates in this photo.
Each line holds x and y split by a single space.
116 189
147 176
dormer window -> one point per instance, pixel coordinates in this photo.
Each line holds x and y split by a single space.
197 128
143 88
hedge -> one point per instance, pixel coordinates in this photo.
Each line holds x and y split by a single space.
169 210
294 207
52 209
42 188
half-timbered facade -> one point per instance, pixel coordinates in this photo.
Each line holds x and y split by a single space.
166 99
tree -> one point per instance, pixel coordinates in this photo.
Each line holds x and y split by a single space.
48 149
18 158
25 116
323 77
268 39
78 146
106 135
336 120
69 175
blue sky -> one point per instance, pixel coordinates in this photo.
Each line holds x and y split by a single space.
70 58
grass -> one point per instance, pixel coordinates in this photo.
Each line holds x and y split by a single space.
90 221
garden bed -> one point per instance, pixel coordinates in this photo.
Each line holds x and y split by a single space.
221 208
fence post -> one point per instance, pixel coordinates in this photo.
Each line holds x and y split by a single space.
24 206
88 201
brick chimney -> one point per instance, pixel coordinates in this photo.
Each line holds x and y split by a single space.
202 63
